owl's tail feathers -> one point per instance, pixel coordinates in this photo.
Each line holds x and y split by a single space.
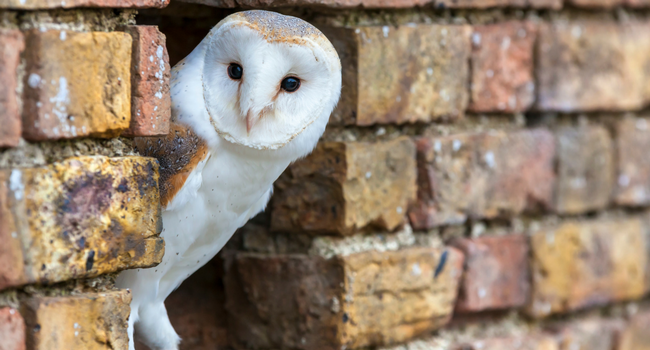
153 327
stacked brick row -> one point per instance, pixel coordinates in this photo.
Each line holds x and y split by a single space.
74 209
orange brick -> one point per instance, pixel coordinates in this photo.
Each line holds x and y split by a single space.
362 299
633 168
93 321
76 84
12 44
314 3
12 329
583 264
150 74
636 336
496 273
51 4
346 186
412 73
482 175
82 217
502 67
585 169
593 65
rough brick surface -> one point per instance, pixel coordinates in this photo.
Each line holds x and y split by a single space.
589 334
502 67
403 74
12 44
363 299
150 74
314 3
593 65
93 321
529 342
76 84
496 273
636 335
482 175
482 4
342 187
51 4
585 169
633 168
12 329
582 264
81 217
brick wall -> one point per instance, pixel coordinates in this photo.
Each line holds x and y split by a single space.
484 182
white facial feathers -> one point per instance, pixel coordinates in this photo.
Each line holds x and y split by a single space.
255 111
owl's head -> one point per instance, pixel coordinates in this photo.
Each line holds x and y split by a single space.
267 77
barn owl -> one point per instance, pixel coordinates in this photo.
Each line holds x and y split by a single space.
253 96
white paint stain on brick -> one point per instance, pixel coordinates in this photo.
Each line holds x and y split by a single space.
34 80
385 30
16 184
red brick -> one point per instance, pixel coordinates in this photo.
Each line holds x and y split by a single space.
363 299
12 44
496 273
581 264
150 74
343 187
52 4
585 169
633 168
596 3
483 175
91 321
637 335
502 67
12 329
76 84
405 74
482 4
81 217
528 342
593 65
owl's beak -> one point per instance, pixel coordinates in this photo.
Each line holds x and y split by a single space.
251 120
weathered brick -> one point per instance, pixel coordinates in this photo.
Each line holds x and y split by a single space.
404 74
345 186
81 217
502 67
150 74
12 329
93 321
363 299
50 4
593 65
12 44
313 3
583 264
482 4
633 168
588 334
482 175
496 272
76 84
585 169
636 335
528 342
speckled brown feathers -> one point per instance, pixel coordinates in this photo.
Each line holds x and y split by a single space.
178 153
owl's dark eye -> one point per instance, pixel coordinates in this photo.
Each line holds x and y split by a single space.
290 84
235 71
